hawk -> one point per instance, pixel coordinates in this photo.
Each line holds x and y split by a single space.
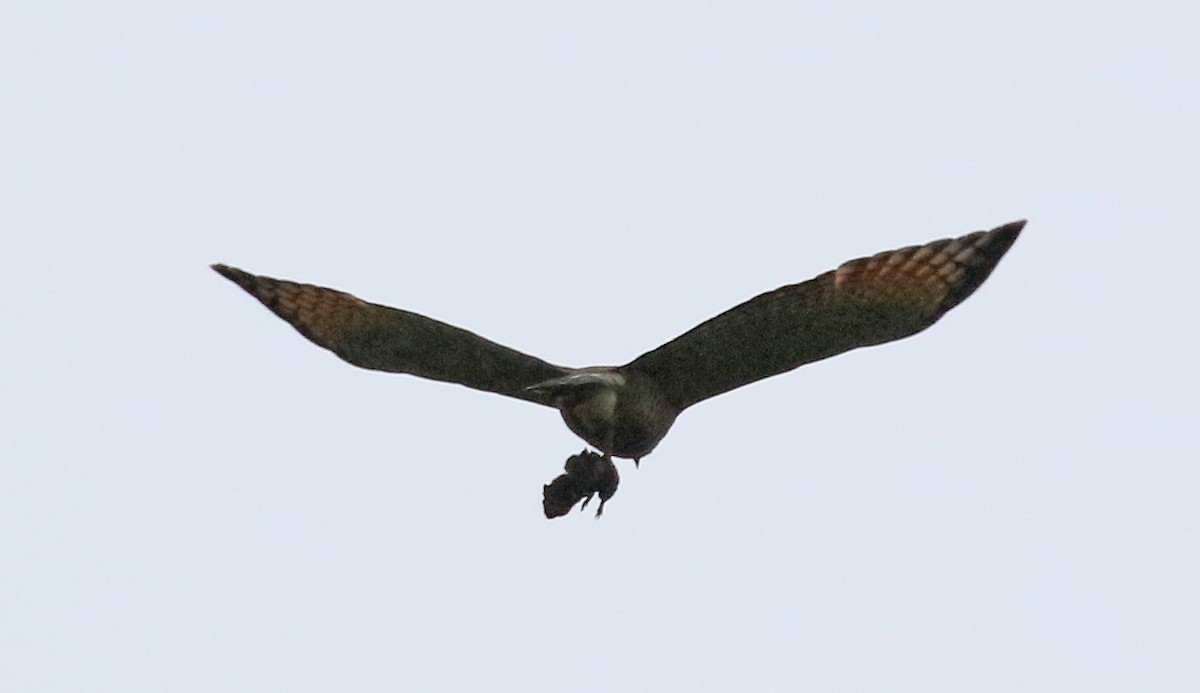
624 411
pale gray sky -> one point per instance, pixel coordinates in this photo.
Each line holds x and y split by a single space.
194 498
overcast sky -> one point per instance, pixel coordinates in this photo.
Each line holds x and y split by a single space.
194 498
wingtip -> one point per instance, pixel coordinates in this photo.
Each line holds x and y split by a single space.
222 269
1013 226
1011 229
1000 239
240 277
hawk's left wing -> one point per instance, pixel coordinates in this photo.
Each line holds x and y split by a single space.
866 301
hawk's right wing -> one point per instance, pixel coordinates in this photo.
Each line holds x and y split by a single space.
388 339
866 301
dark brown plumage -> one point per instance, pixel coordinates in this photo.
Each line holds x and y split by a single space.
868 301
380 338
625 411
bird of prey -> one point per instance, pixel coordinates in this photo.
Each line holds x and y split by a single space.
624 411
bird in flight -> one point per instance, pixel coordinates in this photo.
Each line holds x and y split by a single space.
624 411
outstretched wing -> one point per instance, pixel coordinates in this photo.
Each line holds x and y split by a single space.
866 301
387 339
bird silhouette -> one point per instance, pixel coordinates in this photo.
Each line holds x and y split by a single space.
624 411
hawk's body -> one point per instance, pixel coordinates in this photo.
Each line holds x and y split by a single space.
624 411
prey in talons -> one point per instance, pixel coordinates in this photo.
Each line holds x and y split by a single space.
588 474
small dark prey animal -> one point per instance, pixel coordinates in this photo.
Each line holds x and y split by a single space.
624 411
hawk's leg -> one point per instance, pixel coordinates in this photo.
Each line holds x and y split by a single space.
605 481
